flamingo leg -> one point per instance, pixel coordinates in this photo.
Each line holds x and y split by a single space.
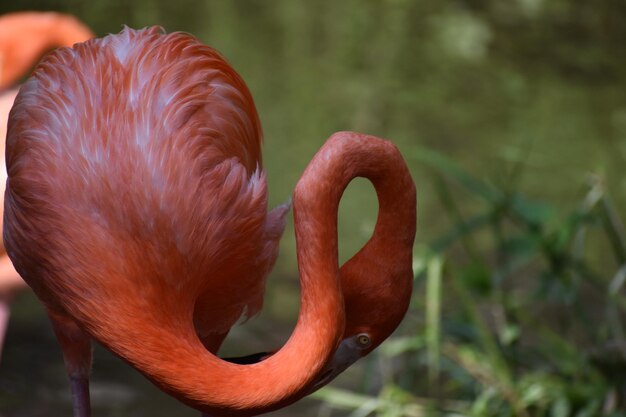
80 396
76 347
10 284
5 312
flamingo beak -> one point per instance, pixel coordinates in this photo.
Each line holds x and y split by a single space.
346 354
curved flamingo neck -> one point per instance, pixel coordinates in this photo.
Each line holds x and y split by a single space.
380 273
347 155
202 380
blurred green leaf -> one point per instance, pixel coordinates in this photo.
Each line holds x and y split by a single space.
509 334
560 408
617 282
477 277
533 212
448 166
433 319
458 231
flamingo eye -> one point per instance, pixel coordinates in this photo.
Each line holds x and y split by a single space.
363 340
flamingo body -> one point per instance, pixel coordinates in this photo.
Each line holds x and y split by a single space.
156 202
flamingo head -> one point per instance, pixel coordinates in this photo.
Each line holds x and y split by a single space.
377 291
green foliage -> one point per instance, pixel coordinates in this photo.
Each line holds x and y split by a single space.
519 320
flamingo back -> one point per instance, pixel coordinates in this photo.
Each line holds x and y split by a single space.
135 184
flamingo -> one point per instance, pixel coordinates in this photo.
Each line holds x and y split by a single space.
136 209
24 37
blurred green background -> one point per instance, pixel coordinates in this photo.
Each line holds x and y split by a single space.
512 118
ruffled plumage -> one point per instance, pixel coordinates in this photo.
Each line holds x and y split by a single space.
157 177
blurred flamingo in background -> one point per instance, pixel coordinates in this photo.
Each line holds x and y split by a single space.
136 209
24 38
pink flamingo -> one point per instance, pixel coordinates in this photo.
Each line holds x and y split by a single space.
136 209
